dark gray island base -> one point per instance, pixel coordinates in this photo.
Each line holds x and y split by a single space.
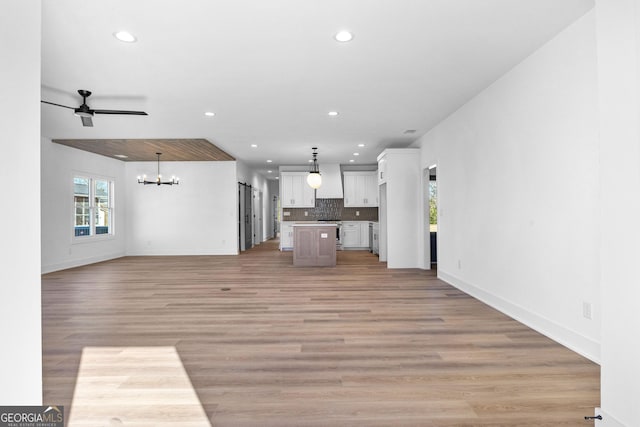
314 245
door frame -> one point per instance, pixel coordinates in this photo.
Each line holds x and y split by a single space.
245 225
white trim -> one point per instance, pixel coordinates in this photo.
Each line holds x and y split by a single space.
44 269
607 420
571 339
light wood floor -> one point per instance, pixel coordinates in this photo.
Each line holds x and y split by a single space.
353 345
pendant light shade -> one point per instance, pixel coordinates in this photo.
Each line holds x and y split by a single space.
314 179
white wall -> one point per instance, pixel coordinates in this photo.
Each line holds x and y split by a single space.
20 330
400 220
518 191
197 217
59 248
618 33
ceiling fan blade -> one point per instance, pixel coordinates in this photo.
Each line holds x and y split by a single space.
57 105
86 121
134 113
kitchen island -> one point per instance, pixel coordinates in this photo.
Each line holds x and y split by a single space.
314 245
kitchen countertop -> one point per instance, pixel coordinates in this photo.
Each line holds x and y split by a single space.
314 224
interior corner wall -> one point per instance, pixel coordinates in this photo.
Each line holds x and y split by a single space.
60 249
20 313
401 217
618 35
197 217
518 191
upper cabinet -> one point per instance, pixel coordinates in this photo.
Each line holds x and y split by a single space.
382 169
295 192
360 189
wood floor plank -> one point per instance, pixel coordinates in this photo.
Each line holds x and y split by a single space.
357 344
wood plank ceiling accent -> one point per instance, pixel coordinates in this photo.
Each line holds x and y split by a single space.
141 150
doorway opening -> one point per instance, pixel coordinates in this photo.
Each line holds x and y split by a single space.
432 216
245 217
276 216
257 217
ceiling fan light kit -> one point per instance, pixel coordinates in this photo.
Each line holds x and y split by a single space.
85 113
158 181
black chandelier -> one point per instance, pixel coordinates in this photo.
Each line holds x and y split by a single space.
143 179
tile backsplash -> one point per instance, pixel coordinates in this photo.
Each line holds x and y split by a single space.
330 209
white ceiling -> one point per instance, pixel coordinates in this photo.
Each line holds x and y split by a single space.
271 70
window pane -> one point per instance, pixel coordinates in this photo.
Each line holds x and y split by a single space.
102 208
81 202
433 206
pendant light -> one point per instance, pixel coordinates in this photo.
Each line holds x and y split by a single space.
314 179
158 181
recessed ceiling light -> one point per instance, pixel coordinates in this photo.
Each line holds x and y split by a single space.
351 161
125 36
333 113
269 171
360 145
277 177
209 114
121 156
344 36
269 161
254 145
356 154
310 161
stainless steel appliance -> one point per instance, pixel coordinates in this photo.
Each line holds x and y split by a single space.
338 224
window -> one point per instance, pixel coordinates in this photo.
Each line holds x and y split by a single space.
433 205
93 206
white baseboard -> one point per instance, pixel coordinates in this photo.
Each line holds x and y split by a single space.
50 268
574 341
607 420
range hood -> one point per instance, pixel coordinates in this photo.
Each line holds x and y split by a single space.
331 187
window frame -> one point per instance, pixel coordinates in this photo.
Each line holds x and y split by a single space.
92 208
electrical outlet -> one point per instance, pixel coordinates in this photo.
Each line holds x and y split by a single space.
306 213
286 213
357 213
586 310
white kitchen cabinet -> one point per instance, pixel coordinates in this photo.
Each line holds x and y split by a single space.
375 247
360 189
355 234
286 236
364 234
382 170
371 189
295 192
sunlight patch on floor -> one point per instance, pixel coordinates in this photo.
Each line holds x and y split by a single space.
134 386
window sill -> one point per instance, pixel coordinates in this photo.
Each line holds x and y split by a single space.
81 240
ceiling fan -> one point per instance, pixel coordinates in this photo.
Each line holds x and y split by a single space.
85 113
